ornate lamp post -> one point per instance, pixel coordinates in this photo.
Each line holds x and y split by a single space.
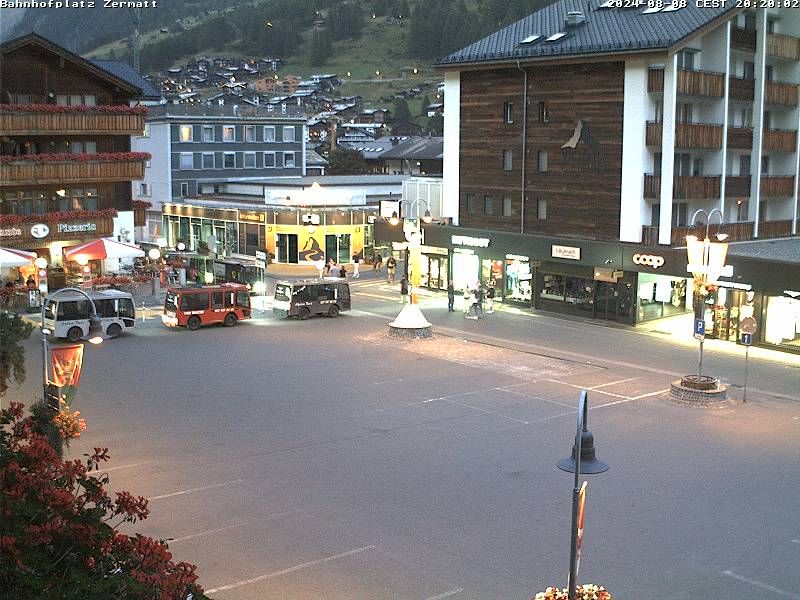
411 322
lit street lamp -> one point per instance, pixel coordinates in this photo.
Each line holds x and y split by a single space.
707 264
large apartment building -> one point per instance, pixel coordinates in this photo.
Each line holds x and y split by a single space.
65 143
196 145
581 140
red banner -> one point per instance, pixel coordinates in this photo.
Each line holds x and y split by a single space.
66 362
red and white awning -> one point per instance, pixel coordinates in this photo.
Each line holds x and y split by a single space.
11 257
102 248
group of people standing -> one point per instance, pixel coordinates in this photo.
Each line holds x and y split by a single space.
333 269
474 298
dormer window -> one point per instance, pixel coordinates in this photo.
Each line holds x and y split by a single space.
530 39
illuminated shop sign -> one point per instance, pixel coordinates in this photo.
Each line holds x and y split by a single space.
517 257
568 252
649 260
465 240
10 232
76 227
252 217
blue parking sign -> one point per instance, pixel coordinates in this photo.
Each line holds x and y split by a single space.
699 328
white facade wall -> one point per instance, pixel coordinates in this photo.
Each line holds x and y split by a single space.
637 110
452 143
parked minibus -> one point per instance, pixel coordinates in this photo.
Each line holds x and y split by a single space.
302 299
66 314
226 303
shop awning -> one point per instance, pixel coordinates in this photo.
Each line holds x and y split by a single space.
10 257
102 248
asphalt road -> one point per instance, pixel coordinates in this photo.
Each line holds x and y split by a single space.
325 460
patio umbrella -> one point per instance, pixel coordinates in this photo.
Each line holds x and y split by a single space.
10 257
102 248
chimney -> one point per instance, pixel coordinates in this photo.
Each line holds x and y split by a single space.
574 18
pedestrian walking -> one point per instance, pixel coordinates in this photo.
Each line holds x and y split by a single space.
355 266
451 297
467 300
403 290
490 297
377 262
391 265
326 270
342 272
479 301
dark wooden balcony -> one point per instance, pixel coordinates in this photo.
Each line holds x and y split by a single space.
684 187
740 138
783 46
741 89
777 186
30 172
743 39
737 187
780 140
690 83
66 123
653 133
139 216
698 135
737 232
782 94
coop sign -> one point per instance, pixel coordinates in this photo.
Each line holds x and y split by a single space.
465 240
648 260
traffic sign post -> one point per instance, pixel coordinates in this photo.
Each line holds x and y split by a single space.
747 327
700 334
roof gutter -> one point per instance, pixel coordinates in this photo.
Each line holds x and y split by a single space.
524 145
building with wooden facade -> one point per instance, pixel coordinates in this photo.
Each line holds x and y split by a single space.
581 140
66 163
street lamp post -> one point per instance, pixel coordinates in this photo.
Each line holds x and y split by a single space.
411 322
706 263
94 324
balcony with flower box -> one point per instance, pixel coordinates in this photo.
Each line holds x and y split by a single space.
779 140
687 135
737 232
45 119
140 212
684 187
690 83
38 169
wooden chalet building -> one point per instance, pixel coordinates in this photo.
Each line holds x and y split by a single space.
581 140
66 164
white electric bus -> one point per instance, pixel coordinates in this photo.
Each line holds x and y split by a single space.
67 314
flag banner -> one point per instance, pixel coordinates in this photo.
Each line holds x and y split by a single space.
66 362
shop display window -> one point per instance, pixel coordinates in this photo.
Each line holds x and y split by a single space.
518 281
782 321
661 296
553 286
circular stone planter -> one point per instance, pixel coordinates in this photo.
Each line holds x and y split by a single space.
410 324
702 390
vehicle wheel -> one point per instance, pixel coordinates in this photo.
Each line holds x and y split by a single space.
230 320
74 334
193 323
303 313
333 311
113 330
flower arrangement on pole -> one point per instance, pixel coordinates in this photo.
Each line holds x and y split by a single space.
586 591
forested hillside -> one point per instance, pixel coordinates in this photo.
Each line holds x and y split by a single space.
310 28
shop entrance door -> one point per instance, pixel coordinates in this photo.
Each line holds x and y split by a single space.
612 301
435 277
337 247
287 248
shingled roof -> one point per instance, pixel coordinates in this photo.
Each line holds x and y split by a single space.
123 70
605 31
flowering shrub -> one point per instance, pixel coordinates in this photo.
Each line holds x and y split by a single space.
59 216
586 591
83 157
57 108
141 204
58 527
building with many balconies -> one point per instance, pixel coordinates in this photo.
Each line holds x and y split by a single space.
66 164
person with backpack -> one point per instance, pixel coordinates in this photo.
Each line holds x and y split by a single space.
490 297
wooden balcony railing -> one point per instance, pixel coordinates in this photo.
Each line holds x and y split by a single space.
690 83
26 172
698 135
743 39
737 187
655 79
65 123
737 232
777 186
684 187
741 89
740 138
783 46
653 133
784 94
780 140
